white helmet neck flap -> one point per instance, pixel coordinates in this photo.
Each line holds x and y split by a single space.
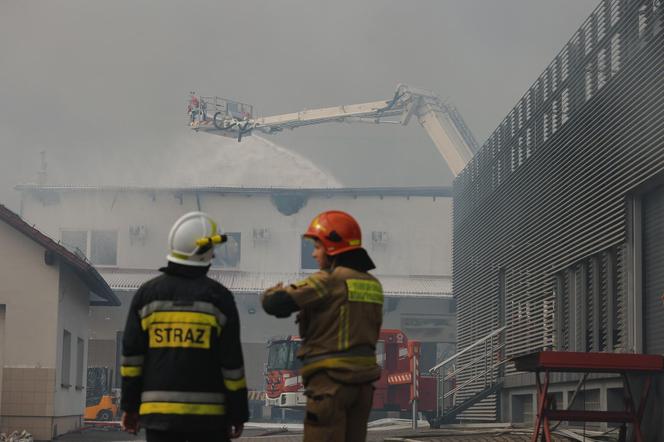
192 240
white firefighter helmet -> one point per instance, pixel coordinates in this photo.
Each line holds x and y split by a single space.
192 239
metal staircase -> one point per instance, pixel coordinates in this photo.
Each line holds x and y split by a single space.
470 376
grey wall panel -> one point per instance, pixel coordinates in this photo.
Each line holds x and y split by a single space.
653 271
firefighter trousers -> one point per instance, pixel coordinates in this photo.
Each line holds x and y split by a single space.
336 412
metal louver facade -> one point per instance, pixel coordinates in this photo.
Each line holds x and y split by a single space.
545 201
653 263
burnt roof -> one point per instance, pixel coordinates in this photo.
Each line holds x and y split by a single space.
424 191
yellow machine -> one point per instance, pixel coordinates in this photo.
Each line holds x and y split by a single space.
101 403
104 410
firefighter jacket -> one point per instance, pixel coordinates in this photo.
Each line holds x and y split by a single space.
182 365
341 313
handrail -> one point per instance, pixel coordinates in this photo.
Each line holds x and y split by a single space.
482 370
459 387
451 374
475 344
460 369
474 378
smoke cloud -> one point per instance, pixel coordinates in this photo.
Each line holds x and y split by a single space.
101 86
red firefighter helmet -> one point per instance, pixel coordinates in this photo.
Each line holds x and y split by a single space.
337 231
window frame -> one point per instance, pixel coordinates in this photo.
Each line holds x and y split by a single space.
88 244
65 363
80 362
236 236
117 242
315 267
85 251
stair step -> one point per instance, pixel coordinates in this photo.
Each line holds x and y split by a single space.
450 415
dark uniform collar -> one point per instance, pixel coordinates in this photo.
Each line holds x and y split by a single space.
357 259
184 271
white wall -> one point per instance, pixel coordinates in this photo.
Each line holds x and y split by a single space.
73 311
2 350
419 228
105 322
29 289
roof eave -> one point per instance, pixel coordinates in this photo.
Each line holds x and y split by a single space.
84 270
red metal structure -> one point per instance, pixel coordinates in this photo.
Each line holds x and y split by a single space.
393 390
624 364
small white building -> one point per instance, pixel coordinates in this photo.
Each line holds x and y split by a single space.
45 298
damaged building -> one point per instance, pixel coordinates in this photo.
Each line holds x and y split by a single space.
123 231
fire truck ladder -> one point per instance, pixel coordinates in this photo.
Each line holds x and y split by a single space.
481 372
442 121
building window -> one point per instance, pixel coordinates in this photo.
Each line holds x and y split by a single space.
615 399
80 362
104 247
522 408
100 246
75 241
307 261
584 400
66 360
228 254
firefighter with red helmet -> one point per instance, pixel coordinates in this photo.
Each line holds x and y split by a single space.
340 316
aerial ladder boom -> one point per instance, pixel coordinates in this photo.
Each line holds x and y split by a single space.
443 122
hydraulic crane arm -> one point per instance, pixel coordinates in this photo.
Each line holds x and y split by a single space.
443 123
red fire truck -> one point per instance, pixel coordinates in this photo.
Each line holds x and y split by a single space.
393 391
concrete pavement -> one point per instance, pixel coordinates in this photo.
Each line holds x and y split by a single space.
400 435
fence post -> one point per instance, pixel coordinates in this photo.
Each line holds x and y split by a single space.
414 353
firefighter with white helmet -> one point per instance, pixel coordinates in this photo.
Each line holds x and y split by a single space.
182 367
340 315
192 240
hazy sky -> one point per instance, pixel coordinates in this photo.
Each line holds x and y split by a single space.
102 85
